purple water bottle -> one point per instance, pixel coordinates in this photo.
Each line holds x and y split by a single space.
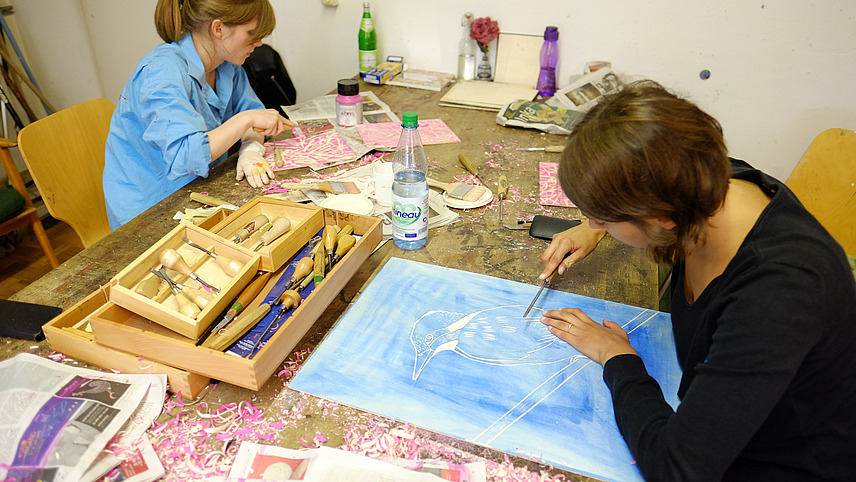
549 61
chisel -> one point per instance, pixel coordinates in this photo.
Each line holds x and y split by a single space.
471 167
543 285
545 149
502 191
250 292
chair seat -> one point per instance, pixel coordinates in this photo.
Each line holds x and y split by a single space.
11 203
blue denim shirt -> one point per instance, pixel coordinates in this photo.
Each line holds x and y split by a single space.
158 139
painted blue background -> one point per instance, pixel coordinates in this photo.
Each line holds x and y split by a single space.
503 381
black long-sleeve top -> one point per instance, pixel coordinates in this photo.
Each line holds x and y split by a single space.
768 352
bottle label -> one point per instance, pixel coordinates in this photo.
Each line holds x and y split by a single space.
368 60
349 115
409 218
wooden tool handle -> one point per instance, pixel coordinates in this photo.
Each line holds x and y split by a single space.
346 229
221 339
172 259
187 307
438 184
250 228
320 263
229 266
321 186
554 148
502 187
345 244
330 237
468 164
303 268
206 199
279 227
199 297
277 157
290 299
251 291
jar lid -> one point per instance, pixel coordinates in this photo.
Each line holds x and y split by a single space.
348 87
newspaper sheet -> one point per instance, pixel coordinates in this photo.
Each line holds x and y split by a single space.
326 464
318 116
586 91
55 419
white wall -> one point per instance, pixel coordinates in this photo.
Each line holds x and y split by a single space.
781 70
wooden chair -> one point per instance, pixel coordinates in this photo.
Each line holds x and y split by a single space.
27 216
64 153
824 180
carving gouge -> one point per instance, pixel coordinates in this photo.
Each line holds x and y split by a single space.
543 285
545 149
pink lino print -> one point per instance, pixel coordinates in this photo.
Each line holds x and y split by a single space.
309 151
551 191
384 135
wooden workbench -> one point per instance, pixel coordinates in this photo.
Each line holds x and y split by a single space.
477 243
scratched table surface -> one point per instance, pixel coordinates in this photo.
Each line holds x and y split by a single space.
476 243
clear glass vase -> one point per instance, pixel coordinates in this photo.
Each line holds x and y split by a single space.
483 71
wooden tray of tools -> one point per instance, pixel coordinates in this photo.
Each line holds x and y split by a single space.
209 284
69 333
117 327
256 226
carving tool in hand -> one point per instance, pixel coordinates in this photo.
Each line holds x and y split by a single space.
545 149
502 192
280 226
332 187
471 167
250 228
331 236
173 260
543 285
230 266
185 306
290 299
250 292
459 190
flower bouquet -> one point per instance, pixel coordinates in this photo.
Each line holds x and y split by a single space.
484 31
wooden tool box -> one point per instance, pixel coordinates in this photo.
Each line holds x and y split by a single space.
129 325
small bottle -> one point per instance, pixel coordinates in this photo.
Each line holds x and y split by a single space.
349 103
410 187
367 38
466 50
549 61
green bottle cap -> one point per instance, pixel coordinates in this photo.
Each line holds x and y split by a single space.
409 119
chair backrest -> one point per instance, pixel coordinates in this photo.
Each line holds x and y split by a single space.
825 182
64 153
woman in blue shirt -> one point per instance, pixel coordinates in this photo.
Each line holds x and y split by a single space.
187 102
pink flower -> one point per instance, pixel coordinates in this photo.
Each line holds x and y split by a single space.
484 30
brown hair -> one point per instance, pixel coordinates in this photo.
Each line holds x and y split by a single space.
644 153
174 18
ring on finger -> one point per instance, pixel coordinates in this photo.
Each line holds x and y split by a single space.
569 326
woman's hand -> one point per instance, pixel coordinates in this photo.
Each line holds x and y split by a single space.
596 341
575 243
268 122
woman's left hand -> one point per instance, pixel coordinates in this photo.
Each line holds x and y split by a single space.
600 342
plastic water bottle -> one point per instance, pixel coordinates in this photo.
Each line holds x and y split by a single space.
466 50
549 61
367 38
410 187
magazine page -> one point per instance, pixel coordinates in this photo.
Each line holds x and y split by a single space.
55 419
586 91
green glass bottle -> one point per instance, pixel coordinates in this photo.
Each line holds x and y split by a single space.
368 41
